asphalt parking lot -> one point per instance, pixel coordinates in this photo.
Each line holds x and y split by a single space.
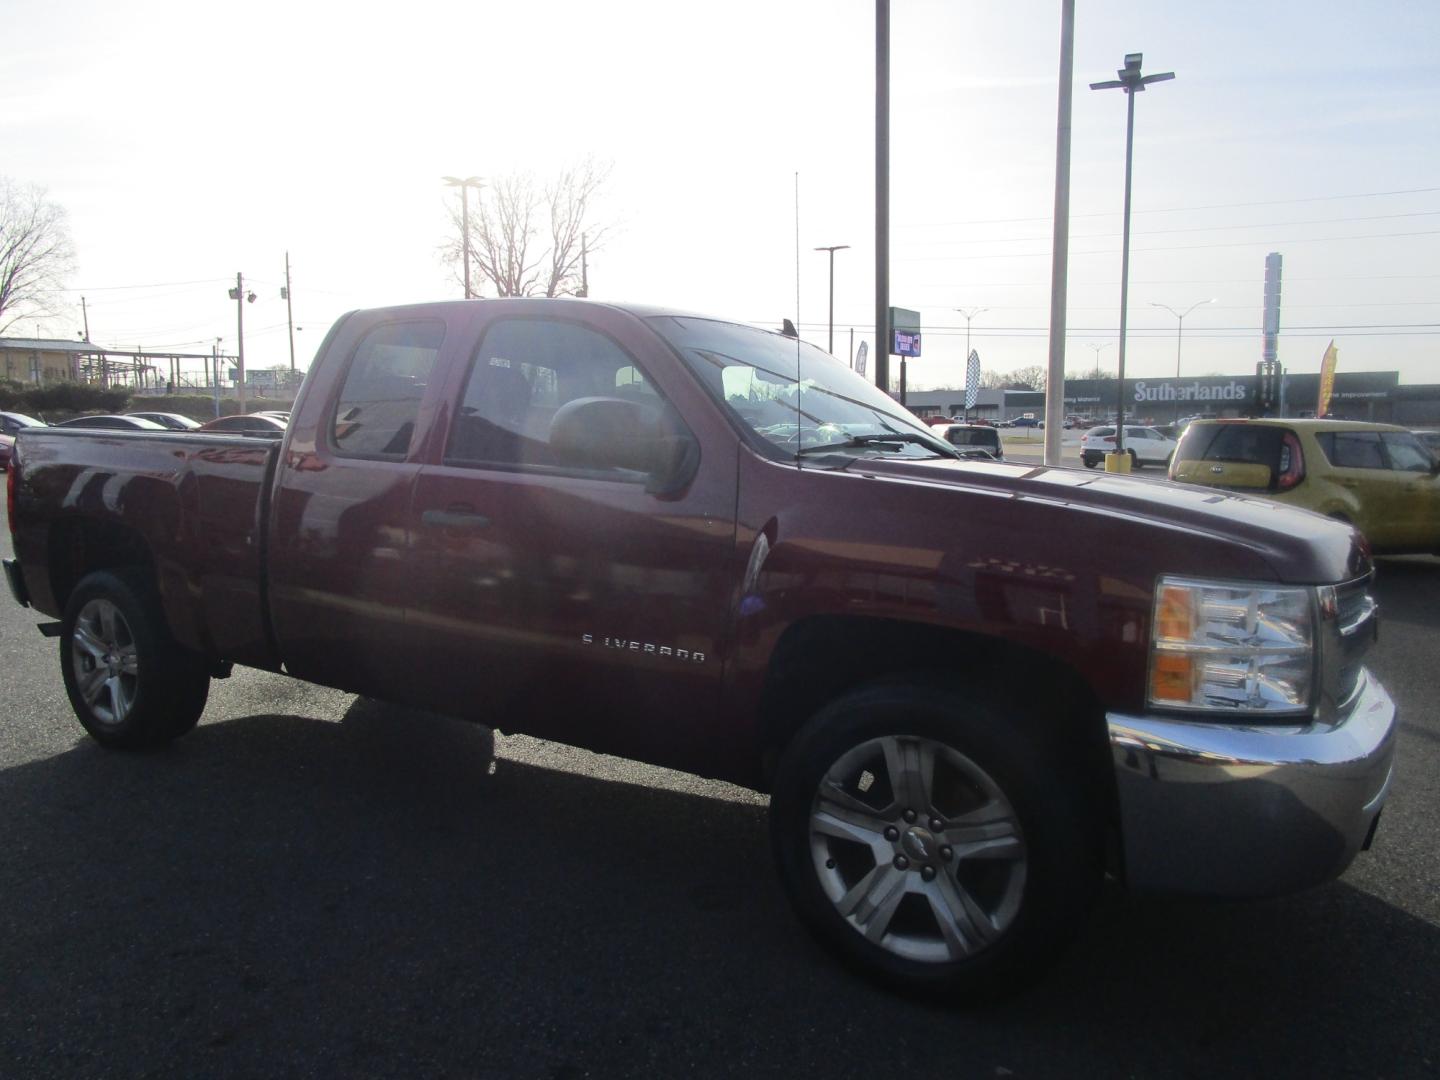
312 884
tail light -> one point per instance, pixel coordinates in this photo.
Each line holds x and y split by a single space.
1107 438
1292 463
11 482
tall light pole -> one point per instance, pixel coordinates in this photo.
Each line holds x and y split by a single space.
969 314
830 341
1179 330
465 185
1132 82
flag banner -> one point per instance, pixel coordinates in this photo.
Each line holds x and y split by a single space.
972 379
1327 380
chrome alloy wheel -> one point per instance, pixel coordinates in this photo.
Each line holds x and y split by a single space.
106 667
918 848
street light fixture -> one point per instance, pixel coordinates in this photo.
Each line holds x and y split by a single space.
465 185
969 314
830 341
1132 82
1180 329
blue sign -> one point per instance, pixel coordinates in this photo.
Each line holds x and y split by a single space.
906 343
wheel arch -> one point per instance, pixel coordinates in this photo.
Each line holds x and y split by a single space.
823 657
77 546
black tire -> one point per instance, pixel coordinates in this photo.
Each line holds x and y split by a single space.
130 684
1022 890
1135 465
1090 462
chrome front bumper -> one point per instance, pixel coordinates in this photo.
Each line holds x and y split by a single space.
1226 810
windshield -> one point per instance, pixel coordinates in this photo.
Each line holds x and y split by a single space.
753 374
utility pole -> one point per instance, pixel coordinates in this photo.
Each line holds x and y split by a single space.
882 195
289 310
239 295
584 266
215 365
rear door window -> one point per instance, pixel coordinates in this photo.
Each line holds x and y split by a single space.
1352 449
375 416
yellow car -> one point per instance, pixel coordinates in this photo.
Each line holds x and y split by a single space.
1378 477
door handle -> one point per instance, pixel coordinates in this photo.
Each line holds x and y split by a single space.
455 516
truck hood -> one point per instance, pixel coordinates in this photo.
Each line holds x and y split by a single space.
1300 547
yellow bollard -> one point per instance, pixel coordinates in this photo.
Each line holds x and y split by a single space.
1117 462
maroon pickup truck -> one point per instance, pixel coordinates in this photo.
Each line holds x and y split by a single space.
971 688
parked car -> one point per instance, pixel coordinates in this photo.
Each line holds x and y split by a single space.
1377 477
1145 445
7 445
974 440
168 420
111 423
11 422
255 425
967 690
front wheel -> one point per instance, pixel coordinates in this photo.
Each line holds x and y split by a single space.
130 684
936 847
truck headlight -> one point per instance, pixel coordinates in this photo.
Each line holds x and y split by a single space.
1232 646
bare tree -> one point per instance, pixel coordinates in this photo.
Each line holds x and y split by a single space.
1025 378
1033 377
528 239
35 253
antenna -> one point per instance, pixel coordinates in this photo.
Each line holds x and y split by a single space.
790 328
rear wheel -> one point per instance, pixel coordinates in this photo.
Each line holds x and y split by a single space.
1090 460
130 684
1134 461
934 847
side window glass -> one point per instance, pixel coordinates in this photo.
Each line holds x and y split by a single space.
375 416
553 395
1406 453
1357 450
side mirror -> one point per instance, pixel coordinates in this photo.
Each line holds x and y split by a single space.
603 433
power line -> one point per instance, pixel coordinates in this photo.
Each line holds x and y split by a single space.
1184 247
1183 209
152 285
1189 229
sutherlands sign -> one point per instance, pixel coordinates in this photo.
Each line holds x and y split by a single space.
1195 391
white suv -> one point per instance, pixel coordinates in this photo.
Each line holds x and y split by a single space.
1145 445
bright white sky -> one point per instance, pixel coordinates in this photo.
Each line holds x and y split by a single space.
189 140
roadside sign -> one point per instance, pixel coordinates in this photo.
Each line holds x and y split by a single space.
905 344
904 332
860 355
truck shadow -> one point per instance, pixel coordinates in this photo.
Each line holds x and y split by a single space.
277 894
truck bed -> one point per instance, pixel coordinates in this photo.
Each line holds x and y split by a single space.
193 501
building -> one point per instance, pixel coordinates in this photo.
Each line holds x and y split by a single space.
1374 396
42 362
